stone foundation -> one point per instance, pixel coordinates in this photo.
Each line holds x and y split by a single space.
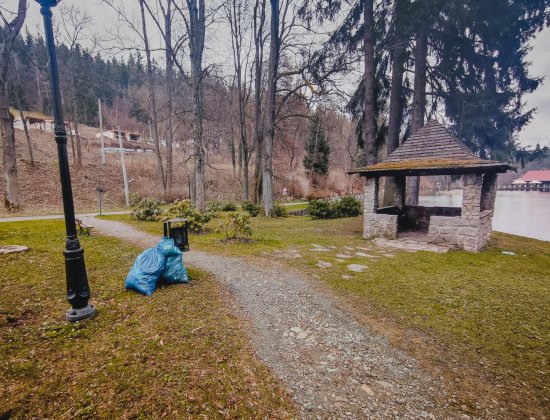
384 225
470 234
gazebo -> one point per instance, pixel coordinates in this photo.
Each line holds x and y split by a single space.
433 150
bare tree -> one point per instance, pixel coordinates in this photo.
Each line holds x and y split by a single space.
17 81
235 10
167 12
269 116
259 20
195 23
8 32
152 99
74 22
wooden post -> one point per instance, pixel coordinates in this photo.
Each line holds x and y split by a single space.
101 131
123 168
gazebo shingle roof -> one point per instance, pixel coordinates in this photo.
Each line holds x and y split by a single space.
432 150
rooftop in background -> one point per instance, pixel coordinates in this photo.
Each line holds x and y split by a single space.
432 150
541 176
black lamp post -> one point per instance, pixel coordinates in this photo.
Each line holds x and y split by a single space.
78 291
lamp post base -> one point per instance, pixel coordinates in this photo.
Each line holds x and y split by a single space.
81 314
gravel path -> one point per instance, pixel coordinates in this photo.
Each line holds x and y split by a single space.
333 366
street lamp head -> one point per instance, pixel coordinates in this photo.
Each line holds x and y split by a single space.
47 3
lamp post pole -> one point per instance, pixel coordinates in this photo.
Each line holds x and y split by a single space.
78 291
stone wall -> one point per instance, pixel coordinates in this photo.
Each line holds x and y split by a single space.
376 224
472 229
472 235
379 225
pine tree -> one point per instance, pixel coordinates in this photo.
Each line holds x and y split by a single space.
317 156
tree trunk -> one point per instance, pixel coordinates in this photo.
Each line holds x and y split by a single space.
151 86
419 104
196 42
235 22
72 144
396 90
396 94
78 143
10 30
369 117
9 155
26 130
269 126
259 19
169 95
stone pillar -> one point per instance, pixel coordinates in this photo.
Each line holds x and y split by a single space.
370 195
471 197
488 192
399 195
370 205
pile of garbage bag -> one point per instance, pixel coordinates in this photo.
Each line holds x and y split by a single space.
162 264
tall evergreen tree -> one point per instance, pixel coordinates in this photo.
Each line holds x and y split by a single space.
316 160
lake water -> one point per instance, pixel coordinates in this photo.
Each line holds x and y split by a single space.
524 213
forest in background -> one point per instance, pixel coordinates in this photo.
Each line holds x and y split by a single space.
296 95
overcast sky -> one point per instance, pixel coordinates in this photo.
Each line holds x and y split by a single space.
218 51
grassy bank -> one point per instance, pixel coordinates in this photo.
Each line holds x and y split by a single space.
488 307
177 354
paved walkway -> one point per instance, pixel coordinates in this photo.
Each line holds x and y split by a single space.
333 366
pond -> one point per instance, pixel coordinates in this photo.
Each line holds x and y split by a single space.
524 213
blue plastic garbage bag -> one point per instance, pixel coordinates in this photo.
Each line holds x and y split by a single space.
174 270
146 271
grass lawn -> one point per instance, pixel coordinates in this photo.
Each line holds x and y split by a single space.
489 307
179 353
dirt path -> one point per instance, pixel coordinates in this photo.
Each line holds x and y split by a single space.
333 366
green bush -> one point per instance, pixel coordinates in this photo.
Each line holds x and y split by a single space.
186 210
279 211
347 206
251 208
217 205
320 209
145 209
229 206
236 225
134 199
214 206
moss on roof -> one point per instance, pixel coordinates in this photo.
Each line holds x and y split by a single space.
428 164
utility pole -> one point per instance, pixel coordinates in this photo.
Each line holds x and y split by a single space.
101 131
123 167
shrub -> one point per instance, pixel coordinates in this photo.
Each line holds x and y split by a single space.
279 211
251 208
229 206
214 205
319 209
236 225
185 209
134 199
145 209
347 206
217 205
